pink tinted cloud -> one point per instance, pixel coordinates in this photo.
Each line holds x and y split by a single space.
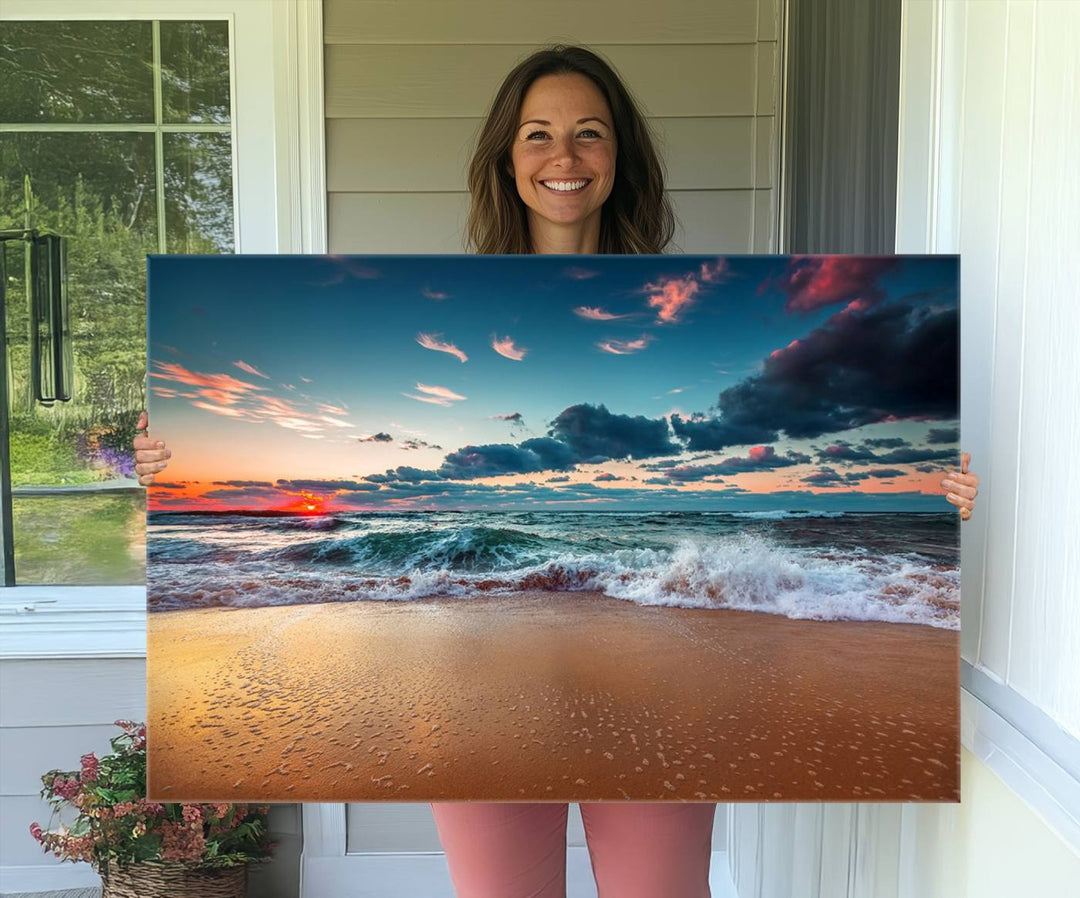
250 369
433 400
624 347
437 344
671 297
595 313
218 409
714 272
440 392
505 347
815 281
180 374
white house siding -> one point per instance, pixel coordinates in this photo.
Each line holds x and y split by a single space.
407 85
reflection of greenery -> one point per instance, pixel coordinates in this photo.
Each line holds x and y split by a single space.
106 278
80 539
99 189
76 72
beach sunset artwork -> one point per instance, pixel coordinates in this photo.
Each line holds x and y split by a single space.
570 528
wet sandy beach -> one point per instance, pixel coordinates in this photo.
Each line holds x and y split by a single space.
546 696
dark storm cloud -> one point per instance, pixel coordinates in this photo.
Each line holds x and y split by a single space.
910 456
239 483
324 486
936 436
842 451
824 477
887 442
419 444
403 474
861 367
814 281
380 437
882 473
760 458
243 493
538 454
595 434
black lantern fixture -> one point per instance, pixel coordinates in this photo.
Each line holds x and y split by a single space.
50 356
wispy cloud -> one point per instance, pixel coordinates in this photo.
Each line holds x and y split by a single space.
671 297
595 313
624 347
435 294
714 272
435 395
580 274
441 392
436 343
250 369
505 347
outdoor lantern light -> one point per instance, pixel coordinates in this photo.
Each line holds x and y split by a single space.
51 360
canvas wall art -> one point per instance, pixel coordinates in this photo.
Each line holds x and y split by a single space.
554 528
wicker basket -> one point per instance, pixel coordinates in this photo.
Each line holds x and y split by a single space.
159 880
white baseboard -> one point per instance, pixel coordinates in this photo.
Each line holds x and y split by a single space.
426 876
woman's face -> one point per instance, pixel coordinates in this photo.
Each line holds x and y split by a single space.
563 154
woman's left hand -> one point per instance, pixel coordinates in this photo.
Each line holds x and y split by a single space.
961 488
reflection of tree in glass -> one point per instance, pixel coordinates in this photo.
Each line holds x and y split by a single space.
76 72
198 193
195 71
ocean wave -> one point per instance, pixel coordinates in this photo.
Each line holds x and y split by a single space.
743 571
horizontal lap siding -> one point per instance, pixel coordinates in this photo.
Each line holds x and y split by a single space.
53 712
408 84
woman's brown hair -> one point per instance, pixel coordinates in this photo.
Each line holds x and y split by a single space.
637 216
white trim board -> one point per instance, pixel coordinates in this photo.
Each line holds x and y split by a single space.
425 875
1047 787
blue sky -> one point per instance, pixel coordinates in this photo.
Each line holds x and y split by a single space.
757 380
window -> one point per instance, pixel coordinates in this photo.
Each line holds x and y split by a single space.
118 136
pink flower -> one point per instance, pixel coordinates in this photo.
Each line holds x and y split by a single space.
36 831
151 808
65 788
192 814
89 767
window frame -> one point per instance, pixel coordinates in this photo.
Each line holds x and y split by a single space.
277 125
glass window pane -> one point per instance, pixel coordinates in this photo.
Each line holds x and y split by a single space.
98 190
81 540
76 72
195 71
198 193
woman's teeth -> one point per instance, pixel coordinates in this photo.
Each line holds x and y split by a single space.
564 186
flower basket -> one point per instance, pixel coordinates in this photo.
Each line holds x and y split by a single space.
142 848
172 880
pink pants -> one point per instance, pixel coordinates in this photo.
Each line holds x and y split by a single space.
648 850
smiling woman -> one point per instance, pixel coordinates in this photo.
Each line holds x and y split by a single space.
560 118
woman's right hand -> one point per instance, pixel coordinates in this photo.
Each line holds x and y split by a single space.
151 456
